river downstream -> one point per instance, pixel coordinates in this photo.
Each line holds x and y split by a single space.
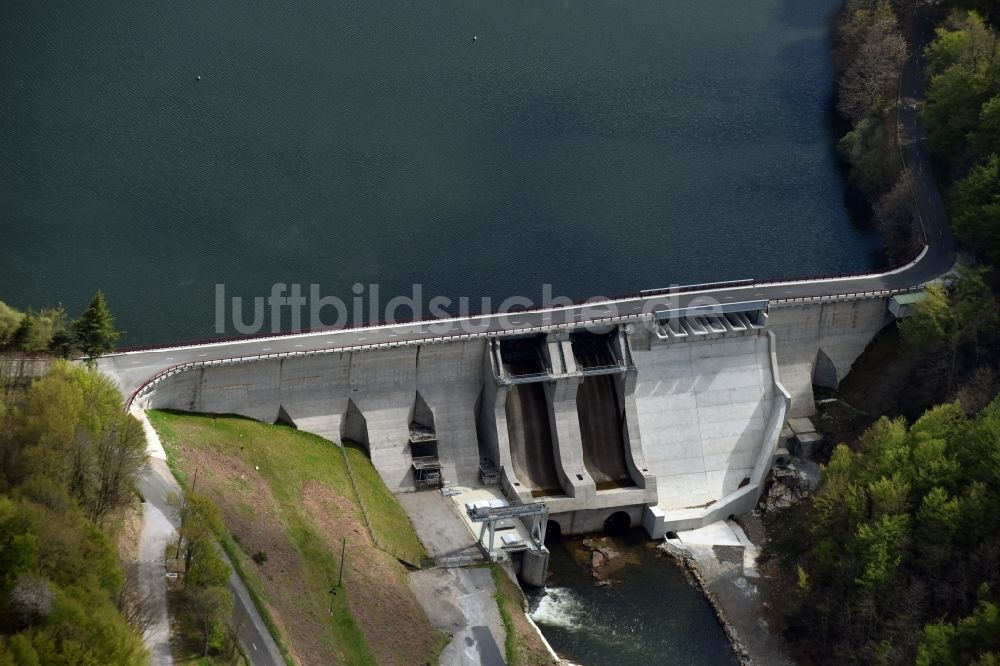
648 614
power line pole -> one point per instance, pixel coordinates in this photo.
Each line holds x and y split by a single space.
340 575
343 550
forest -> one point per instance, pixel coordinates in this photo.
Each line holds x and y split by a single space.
69 458
896 558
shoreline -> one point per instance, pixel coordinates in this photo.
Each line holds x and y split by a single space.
721 563
693 572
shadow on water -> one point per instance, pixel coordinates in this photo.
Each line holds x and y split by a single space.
821 13
649 613
604 149
807 91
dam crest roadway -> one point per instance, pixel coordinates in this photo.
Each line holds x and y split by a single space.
663 408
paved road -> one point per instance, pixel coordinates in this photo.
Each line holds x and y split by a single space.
159 528
461 602
133 369
930 205
157 532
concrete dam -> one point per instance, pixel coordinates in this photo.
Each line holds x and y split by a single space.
667 418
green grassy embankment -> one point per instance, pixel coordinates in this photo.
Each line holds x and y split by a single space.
390 527
286 496
522 645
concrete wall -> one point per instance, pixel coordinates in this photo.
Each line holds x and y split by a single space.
314 391
833 333
658 521
449 378
702 412
566 443
585 521
702 408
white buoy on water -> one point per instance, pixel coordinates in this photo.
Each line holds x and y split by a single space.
475 38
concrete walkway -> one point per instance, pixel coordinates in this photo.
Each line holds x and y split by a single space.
157 531
461 603
159 527
439 526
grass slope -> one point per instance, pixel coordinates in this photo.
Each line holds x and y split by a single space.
288 494
389 524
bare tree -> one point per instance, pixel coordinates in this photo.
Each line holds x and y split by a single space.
121 453
895 212
979 389
235 629
870 80
875 50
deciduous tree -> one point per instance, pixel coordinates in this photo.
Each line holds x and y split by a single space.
10 321
120 454
974 203
878 51
211 606
952 316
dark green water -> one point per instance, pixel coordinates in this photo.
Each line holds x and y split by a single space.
603 147
650 614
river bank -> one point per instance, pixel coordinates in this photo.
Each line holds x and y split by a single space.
721 560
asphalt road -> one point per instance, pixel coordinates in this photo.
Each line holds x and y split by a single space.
133 369
159 528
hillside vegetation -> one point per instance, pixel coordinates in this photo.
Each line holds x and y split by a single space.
870 52
962 114
896 556
51 331
287 499
69 456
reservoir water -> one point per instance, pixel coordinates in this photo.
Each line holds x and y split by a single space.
649 614
600 147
